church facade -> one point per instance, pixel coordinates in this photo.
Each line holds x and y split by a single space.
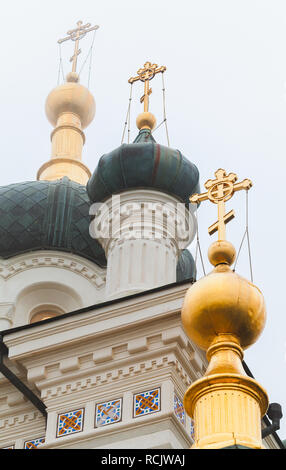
94 269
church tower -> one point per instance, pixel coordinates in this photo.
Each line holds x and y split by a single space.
224 314
70 108
143 220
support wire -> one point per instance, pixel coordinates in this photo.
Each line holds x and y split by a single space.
89 55
246 234
198 246
127 119
164 112
61 69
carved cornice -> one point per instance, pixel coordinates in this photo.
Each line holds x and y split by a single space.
143 214
94 274
21 419
143 356
114 376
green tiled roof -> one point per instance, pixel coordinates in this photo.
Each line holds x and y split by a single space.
52 215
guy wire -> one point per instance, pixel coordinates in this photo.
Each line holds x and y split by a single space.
127 119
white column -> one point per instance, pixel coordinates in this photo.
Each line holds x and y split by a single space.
142 233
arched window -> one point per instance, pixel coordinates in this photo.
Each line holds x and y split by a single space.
42 300
42 312
43 316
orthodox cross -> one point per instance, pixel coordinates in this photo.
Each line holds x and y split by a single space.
219 191
146 74
76 35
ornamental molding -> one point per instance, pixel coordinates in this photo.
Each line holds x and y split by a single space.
21 419
37 259
123 375
142 214
121 363
159 305
7 310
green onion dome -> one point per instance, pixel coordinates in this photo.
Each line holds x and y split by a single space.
144 164
47 215
186 268
53 215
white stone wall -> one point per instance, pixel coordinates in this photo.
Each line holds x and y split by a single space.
82 361
113 352
52 280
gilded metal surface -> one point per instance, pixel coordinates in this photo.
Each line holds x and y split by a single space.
227 410
58 167
76 35
219 191
221 252
223 303
70 108
145 74
224 314
74 101
146 120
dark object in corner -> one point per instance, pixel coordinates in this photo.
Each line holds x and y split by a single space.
275 414
17 382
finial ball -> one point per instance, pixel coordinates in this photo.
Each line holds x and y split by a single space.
72 77
223 303
71 97
146 120
221 252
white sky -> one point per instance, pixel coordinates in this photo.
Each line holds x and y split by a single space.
226 107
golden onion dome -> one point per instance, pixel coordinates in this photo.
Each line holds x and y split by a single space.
223 303
71 97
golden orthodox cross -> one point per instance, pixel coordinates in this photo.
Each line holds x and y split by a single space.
146 74
76 35
219 191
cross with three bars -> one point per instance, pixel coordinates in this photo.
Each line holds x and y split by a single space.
219 191
145 74
76 35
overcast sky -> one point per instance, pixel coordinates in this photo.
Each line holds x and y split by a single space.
226 107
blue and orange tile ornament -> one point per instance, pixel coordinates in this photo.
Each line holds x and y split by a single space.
147 402
179 410
34 443
108 412
70 423
192 429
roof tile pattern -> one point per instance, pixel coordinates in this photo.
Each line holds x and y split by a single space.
50 215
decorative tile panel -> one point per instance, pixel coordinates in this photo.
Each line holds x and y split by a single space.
179 410
192 429
70 423
147 402
108 412
33 443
